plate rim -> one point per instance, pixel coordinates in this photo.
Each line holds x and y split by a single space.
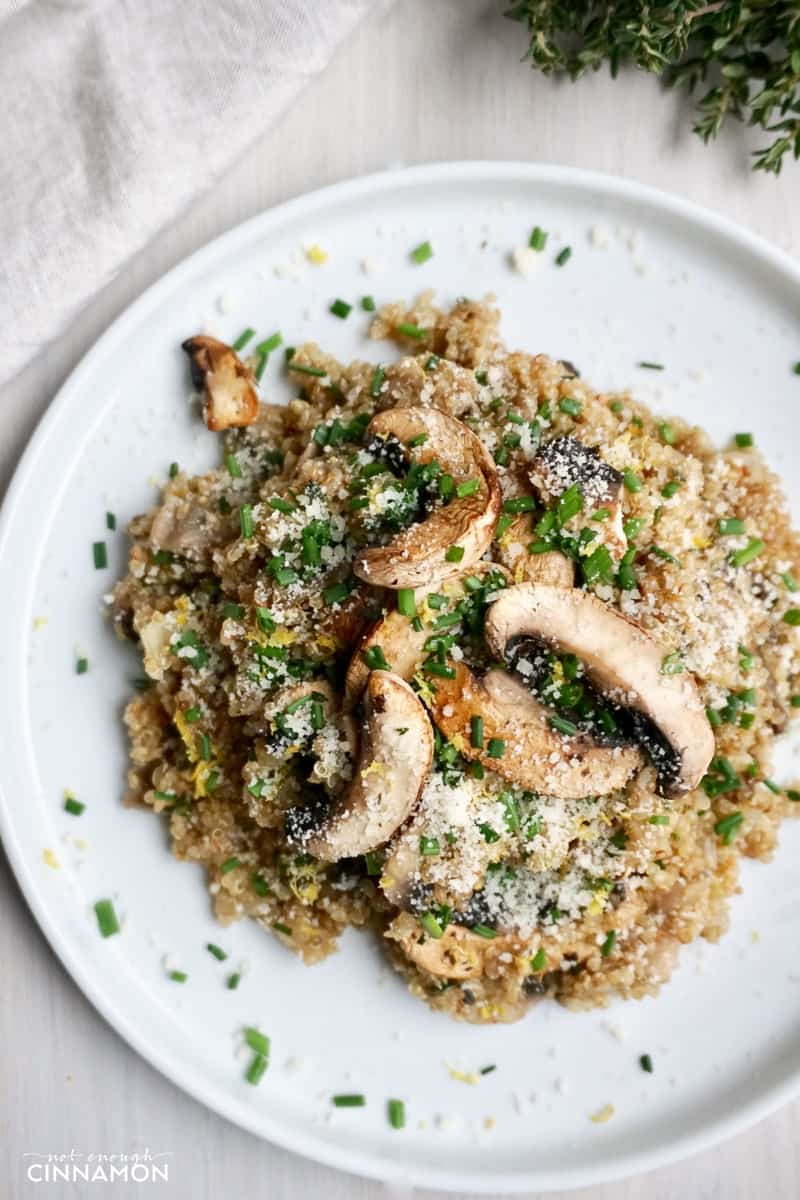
367 1163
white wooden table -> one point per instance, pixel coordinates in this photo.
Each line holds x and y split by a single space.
432 79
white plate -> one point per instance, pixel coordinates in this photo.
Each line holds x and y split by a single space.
658 280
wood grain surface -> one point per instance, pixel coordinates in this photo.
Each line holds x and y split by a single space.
427 80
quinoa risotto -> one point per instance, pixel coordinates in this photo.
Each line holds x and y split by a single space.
464 652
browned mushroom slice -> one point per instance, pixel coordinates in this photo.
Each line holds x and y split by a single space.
401 644
551 567
402 647
565 461
457 954
624 663
183 525
228 387
519 741
418 555
393 764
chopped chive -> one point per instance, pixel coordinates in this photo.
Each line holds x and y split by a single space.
73 807
269 344
232 463
301 369
651 366
405 602
445 486
561 725
616 406
265 620
496 748
431 926
569 406
432 362
563 256
223 506
375 658
794 701
484 931
658 819
502 525
467 488
729 526
728 827
99 555
234 611
396 1111
111 521
632 482
646 1063
106 918
796 369
773 787
672 664
257 1041
789 582
335 593
255 1072
81 666
791 616
538 238
419 440
230 864
441 669
518 504
178 976
217 951
539 960
373 863
667 433
609 944
488 1069
671 489
205 746
476 732
743 440
429 847
422 252
246 520
412 331
740 558
279 927
233 981
341 309
454 554
349 1100
243 338
368 303
282 506
377 380
793 795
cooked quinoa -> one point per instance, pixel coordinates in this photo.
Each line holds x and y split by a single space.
250 592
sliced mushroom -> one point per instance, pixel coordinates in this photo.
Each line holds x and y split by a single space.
417 556
395 758
565 461
228 387
402 644
526 750
184 526
551 567
457 954
622 661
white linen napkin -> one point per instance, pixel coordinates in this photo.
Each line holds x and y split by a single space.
114 116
